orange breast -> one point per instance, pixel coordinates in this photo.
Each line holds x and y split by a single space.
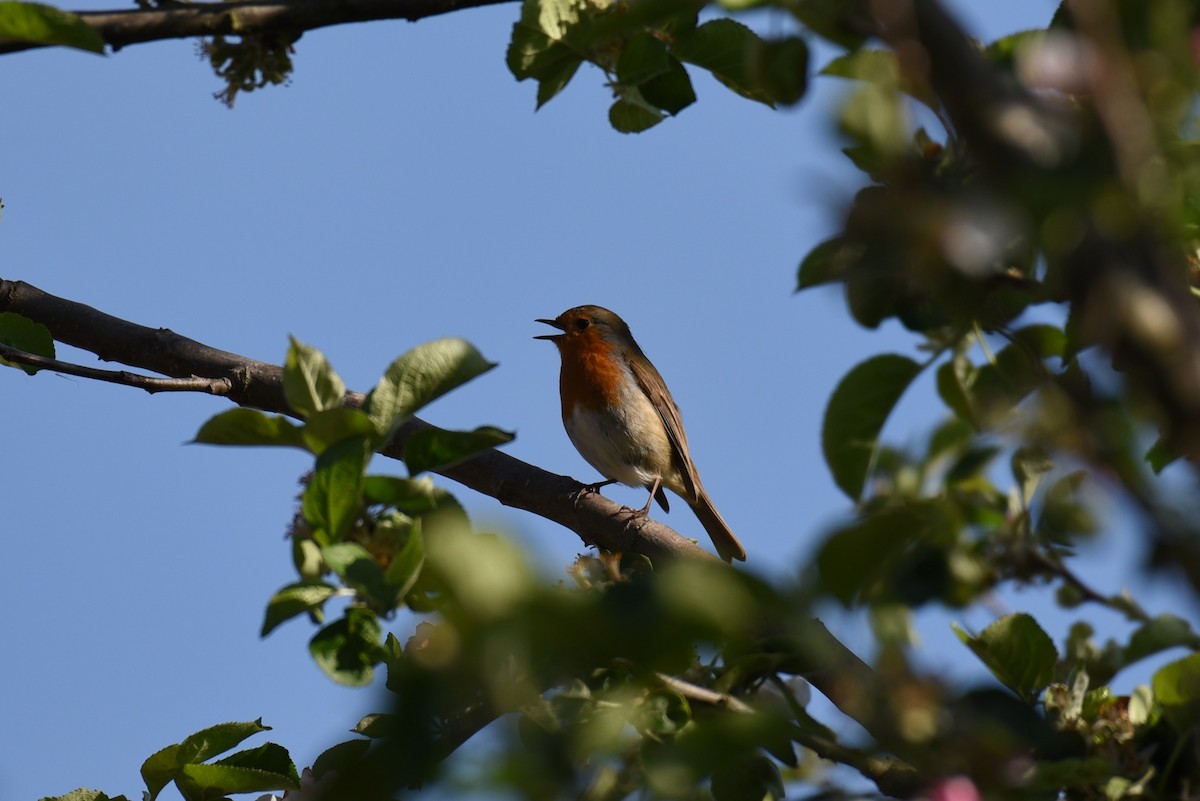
591 375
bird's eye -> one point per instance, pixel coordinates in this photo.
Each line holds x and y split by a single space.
582 323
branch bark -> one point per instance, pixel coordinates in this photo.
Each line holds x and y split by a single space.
131 26
597 520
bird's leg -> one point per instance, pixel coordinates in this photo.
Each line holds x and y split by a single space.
591 489
644 512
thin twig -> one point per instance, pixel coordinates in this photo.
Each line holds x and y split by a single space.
152 384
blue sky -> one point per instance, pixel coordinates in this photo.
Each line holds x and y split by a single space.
400 189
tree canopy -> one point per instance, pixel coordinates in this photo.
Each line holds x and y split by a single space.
1025 212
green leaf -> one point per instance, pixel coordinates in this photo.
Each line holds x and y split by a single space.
856 413
166 765
342 757
378 725
293 600
406 565
420 376
348 649
886 535
359 570
1161 455
309 381
828 261
84 794
844 22
201 782
1017 651
780 67
1177 688
880 68
747 779
954 379
632 114
643 57
47 25
671 91
21 333
331 426
726 49
1018 370
1163 632
436 448
249 427
413 496
333 499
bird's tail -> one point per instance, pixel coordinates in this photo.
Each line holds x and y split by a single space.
727 544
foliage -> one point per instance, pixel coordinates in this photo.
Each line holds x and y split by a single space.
1038 239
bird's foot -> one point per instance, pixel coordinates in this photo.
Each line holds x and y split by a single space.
590 489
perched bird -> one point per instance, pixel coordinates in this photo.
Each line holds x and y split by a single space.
622 420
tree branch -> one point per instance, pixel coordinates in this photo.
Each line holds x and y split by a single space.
597 520
131 26
152 384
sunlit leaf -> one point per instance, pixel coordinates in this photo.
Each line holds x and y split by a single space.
37 23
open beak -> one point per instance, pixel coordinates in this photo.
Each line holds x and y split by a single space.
554 323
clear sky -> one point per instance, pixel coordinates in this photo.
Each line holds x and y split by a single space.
400 189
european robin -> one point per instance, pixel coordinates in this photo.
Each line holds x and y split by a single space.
622 420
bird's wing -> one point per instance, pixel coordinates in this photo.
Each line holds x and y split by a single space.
655 388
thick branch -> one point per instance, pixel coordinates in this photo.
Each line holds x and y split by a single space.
597 520
123 27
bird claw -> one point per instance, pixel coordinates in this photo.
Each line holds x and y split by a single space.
589 489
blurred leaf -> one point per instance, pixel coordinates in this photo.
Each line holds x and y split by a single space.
22 333
84 794
376 726
828 261
333 499
1017 651
341 757
859 561
780 67
419 377
250 427
348 649
293 600
309 381
406 565
725 48
1017 371
881 68
847 23
1177 688
436 448
413 496
1163 632
751 779
954 380
1161 455
47 25
856 413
